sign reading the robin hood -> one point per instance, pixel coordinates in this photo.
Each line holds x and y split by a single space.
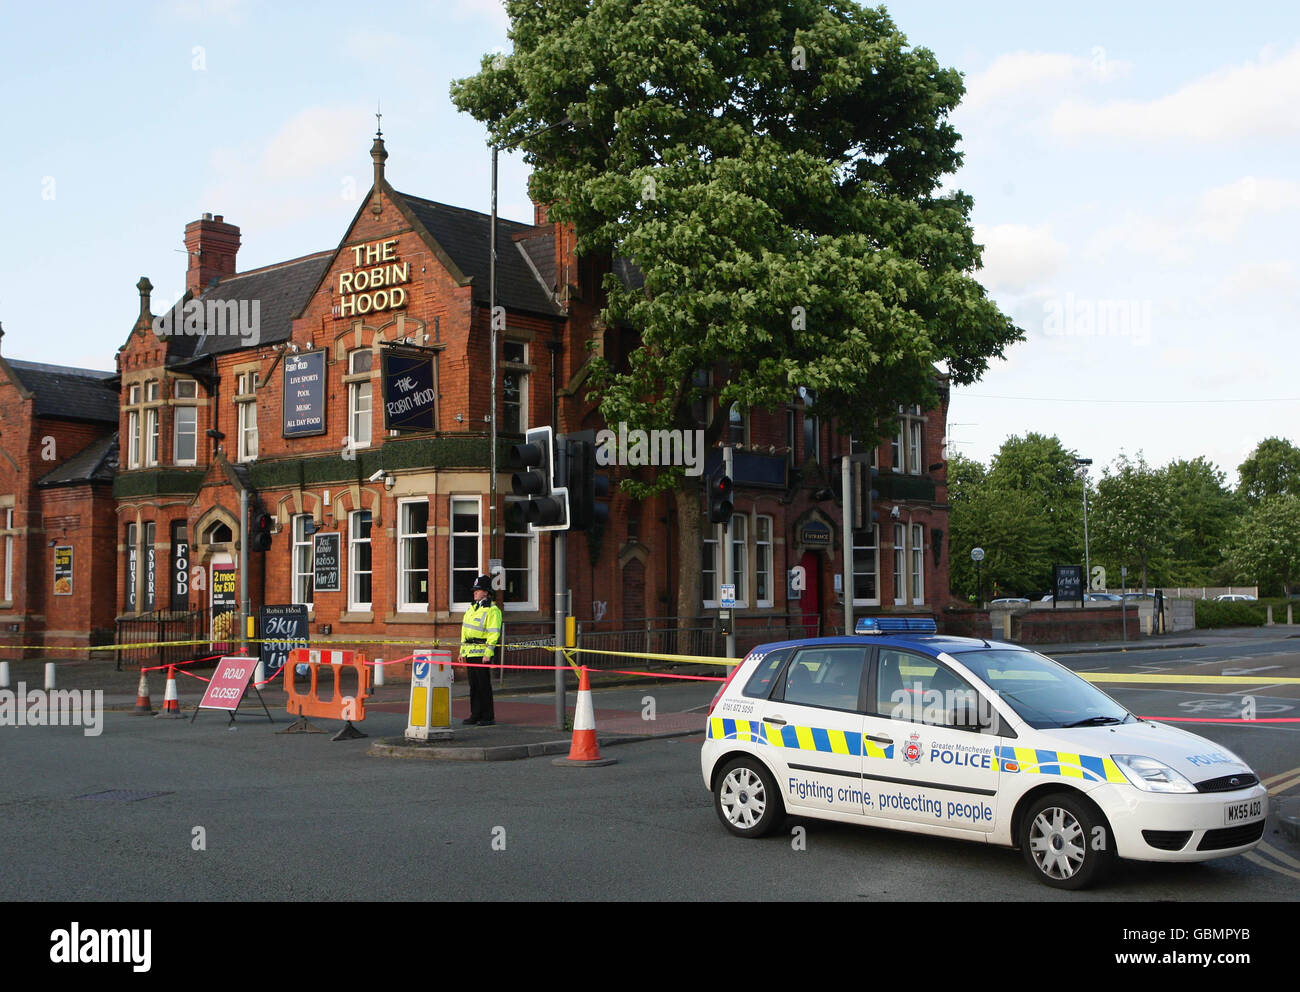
409 396
374 282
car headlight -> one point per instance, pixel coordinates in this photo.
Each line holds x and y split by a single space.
1150 775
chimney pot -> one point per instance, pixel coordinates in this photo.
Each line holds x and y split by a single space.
211 245
207 216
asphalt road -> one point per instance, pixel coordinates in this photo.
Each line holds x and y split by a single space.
304 818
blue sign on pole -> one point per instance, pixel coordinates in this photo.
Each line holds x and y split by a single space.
304 394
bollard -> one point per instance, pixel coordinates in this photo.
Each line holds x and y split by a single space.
379 672
259 673
4 675
1289 621
1006 626
1268 620
49 676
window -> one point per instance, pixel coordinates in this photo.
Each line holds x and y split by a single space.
711 558
304 559
740 558
360 398
759 685
857 447
918 563
151 436
826 677
914 447
413 555
466 537
866 566
918 689
812 432
737 425
514 388
246 404
360 563
900 564
9 554
763 560
220 533
520 564
710 566
133 428
185 389
185 437
905 450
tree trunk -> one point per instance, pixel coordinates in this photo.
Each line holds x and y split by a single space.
687 501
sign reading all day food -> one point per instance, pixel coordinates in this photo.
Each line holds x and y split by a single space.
63 571
304 394
326 549
409 396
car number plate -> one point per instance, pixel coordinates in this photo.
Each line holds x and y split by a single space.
1235 813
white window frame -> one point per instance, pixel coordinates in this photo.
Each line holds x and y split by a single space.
246 402
9 554
713 534
358 388
531 569
355 603
521 369
460 606
193 433
301 539
185 389
404 539
875 533
907 447
763 558
917 551
709 589
900 564
133 439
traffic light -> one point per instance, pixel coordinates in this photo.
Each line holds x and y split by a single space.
260 532
547 506
720 503
585 486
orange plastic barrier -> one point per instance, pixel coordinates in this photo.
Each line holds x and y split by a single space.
339 707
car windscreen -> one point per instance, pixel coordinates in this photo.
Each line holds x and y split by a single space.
1044 694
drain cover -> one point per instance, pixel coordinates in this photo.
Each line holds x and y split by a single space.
120 796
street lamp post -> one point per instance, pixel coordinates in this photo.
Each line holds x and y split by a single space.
1087 562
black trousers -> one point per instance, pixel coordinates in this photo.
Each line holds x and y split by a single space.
480 691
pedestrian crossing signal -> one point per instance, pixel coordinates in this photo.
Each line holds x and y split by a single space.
260 537
721 505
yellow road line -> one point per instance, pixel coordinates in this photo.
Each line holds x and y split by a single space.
1282 856
1281 787
1253 857
1279 776
1188 679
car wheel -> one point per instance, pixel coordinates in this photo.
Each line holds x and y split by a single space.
746 799
1066 841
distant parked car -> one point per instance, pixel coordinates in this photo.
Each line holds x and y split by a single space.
1010 601
1234 597
1105 597
1149 597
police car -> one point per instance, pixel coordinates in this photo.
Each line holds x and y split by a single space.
958 737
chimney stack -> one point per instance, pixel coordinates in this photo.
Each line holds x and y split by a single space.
211 244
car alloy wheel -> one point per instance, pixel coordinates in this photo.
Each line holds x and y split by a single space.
746 798
1066 841
1057 843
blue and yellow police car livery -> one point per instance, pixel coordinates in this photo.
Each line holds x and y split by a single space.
967 738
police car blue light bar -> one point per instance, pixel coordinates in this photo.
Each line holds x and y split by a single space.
895 625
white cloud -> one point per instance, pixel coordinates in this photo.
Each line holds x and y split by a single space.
316 138
1017 256
1021 77
1258 98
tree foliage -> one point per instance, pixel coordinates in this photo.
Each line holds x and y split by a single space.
1264 547
1134 521
1206 511
1272 469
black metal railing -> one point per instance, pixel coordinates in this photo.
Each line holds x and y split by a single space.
153 631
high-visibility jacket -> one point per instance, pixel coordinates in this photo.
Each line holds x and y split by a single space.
480 631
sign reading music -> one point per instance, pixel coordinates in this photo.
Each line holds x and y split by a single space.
375 282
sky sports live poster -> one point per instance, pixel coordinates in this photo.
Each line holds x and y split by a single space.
304 394
409 396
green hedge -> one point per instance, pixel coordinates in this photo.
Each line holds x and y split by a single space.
392 456
1211 613
155 482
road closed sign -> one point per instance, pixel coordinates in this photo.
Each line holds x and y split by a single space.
228 683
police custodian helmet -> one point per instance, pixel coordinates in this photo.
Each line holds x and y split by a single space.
483 582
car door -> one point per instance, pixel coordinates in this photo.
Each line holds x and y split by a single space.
813 723
940 735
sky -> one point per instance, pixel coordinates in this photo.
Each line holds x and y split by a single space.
1132 167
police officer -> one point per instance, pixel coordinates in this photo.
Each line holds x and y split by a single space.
480 633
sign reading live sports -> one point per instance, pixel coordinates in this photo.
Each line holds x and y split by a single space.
410 399
281 628
228 683
326 551
303 404
63 571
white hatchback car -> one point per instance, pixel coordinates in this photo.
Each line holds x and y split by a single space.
971 739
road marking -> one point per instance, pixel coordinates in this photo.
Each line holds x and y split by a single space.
1281 787
1282 856
1280 775
1248 671
1252 856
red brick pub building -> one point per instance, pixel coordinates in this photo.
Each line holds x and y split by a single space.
202 415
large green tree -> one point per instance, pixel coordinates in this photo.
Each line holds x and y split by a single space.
774 168
1133 521
1272 469
1206 511
1264 547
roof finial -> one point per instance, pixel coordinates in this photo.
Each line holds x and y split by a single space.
379 131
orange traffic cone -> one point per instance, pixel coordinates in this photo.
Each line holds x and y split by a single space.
171 701
142 705
584 751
